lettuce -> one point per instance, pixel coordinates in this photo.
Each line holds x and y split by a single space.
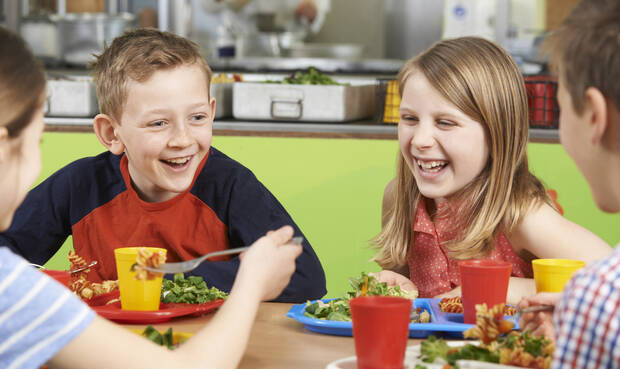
190 290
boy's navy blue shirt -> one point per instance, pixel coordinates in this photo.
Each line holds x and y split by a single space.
93 200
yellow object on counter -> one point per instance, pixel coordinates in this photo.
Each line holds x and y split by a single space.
392 103
551 275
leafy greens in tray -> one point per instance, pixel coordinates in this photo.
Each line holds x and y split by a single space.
365 285
190 290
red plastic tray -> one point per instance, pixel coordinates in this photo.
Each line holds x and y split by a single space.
166 312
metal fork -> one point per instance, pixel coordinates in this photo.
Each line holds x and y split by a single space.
189 265
535 308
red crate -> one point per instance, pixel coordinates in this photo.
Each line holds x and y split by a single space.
543 105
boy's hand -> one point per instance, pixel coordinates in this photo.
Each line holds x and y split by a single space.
395 279
270 262
541 322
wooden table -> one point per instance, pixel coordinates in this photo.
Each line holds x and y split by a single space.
277 341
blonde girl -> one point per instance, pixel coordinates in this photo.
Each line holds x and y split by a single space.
463 189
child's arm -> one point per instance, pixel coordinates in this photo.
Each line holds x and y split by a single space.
545 233
264 271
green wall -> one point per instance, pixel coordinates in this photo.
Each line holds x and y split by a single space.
333 189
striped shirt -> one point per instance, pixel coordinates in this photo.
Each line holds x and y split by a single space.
38 316
587 319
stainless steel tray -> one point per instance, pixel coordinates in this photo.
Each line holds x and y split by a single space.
317 103
223 94
72 96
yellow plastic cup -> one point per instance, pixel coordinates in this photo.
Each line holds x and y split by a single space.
551 275
136 294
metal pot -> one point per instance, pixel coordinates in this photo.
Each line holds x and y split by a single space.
80 35
42 36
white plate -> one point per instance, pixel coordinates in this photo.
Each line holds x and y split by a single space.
412 358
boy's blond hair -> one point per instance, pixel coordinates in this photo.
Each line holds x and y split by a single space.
136 55
585 50
485 83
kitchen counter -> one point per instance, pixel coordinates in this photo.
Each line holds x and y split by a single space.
363 129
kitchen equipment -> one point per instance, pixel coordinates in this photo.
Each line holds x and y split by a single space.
223 93
320 103
387 101
326 50
80 35
189 265
41 34
71 96
544 111
266 44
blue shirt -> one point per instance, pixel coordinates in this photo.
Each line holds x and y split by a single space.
38 316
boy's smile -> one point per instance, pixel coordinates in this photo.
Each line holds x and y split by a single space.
444 148
166 130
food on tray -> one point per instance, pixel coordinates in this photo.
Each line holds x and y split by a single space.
167 339
225 78
455 305
312 77
190 290
147 258
366 285
80 284
499 344
490 324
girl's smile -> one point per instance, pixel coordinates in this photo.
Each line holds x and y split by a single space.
431 167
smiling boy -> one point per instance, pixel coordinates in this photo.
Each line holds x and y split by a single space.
161 183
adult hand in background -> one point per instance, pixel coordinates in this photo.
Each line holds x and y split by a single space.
540 322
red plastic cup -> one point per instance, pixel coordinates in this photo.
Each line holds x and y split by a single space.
62 276
380 331
483 281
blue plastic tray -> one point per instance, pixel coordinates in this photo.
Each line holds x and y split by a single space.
450 323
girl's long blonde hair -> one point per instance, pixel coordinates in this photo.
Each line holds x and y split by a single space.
485 83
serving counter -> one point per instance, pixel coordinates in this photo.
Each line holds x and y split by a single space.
363 129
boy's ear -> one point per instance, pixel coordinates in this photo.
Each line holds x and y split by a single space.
213 104
596 104
105 129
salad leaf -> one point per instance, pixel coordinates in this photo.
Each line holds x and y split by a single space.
472 352
165 339
339 310
311 77
367 285
190 290
433 348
